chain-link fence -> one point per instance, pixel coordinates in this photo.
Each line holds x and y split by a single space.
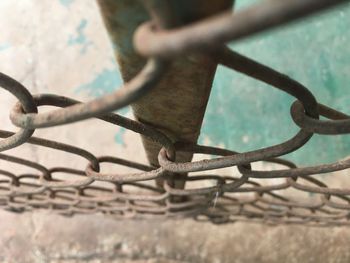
253 195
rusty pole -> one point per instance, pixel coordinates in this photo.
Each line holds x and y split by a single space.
176 106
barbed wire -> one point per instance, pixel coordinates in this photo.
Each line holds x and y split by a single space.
216 198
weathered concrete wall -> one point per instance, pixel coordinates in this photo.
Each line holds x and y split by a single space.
61 47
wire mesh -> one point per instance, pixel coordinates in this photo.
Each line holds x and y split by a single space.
251 195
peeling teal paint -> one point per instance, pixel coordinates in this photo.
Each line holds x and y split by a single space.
4 46
106 82
119 136
66 3
244 114
80 38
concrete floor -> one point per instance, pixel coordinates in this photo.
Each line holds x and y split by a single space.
42 237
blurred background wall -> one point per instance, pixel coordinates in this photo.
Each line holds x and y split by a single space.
61 47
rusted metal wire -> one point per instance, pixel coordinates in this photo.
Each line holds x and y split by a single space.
253 195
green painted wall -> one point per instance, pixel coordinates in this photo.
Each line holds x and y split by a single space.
244 114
